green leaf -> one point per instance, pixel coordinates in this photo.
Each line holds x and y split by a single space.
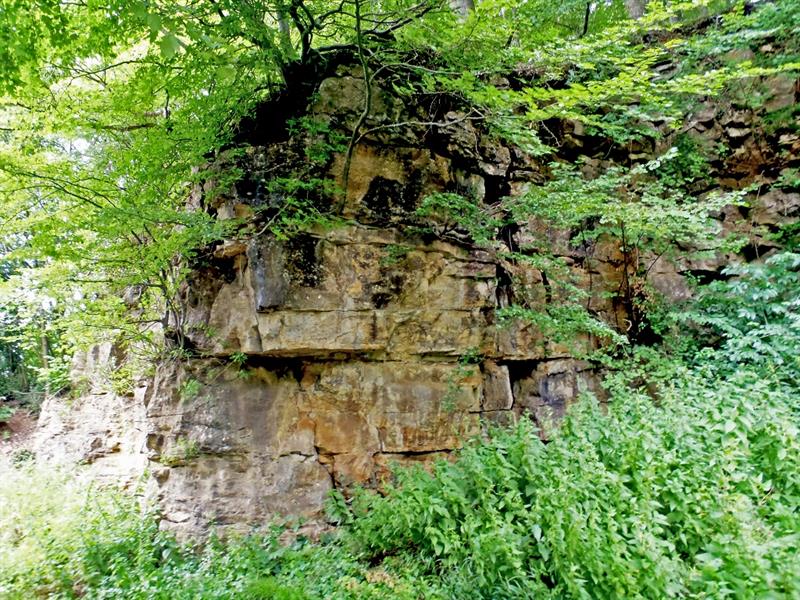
536 530
154 23
169 45
226 73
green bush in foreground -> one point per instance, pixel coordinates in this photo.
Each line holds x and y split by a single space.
60 540
693 495
686 487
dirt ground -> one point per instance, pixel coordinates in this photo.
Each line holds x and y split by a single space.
15 432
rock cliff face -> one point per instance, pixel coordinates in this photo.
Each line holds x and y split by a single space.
323 358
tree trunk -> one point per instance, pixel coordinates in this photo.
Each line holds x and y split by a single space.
462 7
635 8
587 13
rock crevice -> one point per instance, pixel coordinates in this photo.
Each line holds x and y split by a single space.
372 342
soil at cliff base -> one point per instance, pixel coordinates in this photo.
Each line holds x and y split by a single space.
16 432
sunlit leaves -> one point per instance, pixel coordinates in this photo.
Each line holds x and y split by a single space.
756 316
684 497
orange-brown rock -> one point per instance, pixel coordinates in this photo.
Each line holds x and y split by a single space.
320 360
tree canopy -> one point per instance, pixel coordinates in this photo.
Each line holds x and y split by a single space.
112 111
682 483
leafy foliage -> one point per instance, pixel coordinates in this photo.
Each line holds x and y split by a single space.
685 498
755 315
683 483
692 496
6 412
67 542
448 214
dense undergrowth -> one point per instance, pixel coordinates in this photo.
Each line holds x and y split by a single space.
695 495
686 484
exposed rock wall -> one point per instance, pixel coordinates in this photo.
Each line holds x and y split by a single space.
360 370
324 358
99 428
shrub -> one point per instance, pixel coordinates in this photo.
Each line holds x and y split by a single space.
755 316
694 495
6 412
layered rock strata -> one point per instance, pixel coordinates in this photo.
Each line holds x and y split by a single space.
322 359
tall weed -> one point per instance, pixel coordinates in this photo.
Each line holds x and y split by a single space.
694 495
